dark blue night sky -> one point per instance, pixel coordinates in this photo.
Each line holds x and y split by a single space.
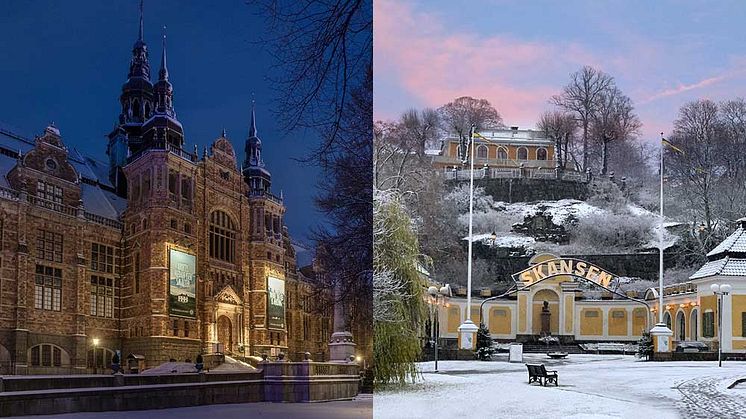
65 61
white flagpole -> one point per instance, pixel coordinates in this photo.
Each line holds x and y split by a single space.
660 244
471 218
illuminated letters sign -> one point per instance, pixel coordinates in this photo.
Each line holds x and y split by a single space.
564 266
182 280
275 303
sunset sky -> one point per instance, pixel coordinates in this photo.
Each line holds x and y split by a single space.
517 54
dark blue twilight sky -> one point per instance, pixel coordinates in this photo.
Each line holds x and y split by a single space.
65 61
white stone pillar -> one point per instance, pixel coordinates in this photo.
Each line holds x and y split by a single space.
727 338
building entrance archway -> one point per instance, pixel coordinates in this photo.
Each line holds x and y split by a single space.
537 308
225 334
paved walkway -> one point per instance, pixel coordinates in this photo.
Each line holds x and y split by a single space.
709 397
361 407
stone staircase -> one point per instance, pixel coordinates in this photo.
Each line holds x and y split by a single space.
530 348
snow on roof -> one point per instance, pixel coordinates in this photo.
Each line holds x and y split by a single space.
433 152
726 266
735 243
6 163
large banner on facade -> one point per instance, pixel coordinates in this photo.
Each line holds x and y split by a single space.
182 283
275 303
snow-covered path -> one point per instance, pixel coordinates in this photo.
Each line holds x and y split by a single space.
591 386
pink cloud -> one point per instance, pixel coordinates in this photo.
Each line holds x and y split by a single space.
416 52
681 88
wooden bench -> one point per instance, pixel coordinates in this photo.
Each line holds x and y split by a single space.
538 373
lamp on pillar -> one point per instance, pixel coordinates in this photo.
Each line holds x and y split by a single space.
95 349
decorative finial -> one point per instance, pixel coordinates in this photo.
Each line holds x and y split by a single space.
163 73
141 37
252 127
224 134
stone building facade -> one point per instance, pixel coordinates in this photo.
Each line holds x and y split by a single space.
159 252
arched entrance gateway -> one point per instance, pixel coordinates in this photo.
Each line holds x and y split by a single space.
572 299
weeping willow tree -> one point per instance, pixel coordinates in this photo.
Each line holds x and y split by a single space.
398 305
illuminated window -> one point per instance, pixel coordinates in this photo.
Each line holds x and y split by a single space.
222 236
102 296
48 288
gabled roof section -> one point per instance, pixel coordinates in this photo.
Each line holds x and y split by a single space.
735 243
722 267
97 192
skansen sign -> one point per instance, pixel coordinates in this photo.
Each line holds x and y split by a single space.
564 266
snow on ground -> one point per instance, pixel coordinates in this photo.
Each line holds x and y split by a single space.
511 240
590 386
170 368
561 211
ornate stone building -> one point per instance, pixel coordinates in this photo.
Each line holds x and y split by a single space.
159 252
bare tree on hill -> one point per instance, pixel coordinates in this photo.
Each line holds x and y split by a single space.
561 127
459 115
580 97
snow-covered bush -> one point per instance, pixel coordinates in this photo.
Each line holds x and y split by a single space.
613 230
484 350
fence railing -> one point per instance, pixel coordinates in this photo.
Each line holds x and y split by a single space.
13 195
265 194
515 173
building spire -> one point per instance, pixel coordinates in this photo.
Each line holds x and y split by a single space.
163 73
252 127
141 37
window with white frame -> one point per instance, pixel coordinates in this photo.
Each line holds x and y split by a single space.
48 288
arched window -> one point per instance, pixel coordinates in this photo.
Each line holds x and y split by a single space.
541 154
48 355
502 153
102 358
681 326
136 111
667 319
522 153
482 152
222 237
693 323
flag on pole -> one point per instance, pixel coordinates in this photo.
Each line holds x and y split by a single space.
673 147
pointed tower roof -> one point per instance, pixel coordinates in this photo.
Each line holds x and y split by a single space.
163 72
139 66
252 127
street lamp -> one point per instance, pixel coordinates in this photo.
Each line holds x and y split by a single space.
95 349
437 297
720 291
467 329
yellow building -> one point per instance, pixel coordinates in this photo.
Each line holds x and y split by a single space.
577 315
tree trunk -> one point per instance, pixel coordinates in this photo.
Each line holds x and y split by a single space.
604 156
585 144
